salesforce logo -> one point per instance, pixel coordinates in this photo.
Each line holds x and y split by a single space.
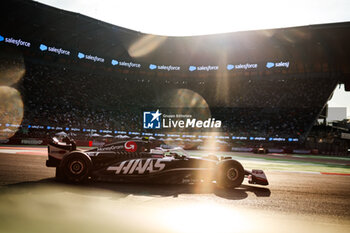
230 67
270 65
192 68
43 47
81 55
114 62
17 42
152 66
163 67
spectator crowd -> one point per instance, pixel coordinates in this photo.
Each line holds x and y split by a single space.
261 106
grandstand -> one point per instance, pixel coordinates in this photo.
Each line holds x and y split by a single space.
82 75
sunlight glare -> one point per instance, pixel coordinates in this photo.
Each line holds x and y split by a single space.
146 45
204 218
11 112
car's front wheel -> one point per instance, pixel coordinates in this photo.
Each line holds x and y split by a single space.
75 167
230 174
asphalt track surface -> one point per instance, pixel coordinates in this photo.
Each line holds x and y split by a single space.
32 201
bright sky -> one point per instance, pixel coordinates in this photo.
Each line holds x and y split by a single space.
198 17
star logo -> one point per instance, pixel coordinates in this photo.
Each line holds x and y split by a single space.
156 115
151 120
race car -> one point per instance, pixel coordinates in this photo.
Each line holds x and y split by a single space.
147 162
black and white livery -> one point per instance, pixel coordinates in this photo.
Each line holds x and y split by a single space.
145 161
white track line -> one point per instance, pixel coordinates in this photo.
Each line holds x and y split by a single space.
304 172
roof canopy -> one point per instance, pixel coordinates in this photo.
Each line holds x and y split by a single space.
316 48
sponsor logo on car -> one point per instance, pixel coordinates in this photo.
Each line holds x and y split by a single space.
111 148
130 146
31 141
138 166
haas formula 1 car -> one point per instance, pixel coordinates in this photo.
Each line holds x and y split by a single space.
143 161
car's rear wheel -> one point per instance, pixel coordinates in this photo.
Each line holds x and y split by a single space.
230 174
75 167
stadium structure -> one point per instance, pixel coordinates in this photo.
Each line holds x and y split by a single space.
83 76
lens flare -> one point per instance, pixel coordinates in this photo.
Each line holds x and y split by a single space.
204 217
187 102
184 102
147 44
223 90
11 112
12 67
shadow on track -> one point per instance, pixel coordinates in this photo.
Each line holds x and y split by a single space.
126 189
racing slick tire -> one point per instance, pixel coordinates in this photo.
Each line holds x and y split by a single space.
75 167
230 174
